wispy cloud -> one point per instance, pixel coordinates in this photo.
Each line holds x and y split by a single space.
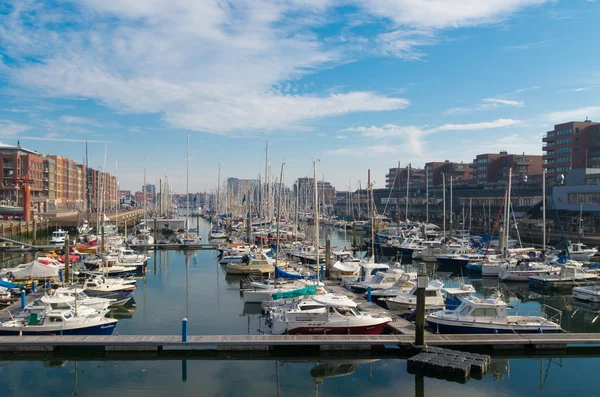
583 89
80 120
580 114
535 87
528 46
9 128
486 104
50 137
477 126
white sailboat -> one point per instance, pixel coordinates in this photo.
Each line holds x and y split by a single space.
187 238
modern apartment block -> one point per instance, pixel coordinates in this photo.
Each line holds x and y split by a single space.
460 172
19 163
397 177
494 167
571 145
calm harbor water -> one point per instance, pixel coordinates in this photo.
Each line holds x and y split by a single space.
194 285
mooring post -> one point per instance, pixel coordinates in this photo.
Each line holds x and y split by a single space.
369 293
23 299
184 330
198 224
354 233
34 232
156 229
420 312
184 371
33 286
60 275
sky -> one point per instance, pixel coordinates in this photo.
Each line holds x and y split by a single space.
354 84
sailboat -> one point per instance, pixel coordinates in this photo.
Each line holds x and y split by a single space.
143 237
187 238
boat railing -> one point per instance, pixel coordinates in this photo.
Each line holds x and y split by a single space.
549 313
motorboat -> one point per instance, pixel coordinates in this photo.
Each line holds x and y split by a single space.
403 285
367 270
453 297
85 228
488 316
112 267
142 239
251 265
382 280
121 290
433 298
569 276
283 290
188 238
66 298
524 270
43 320
580 252
58 237
325 314
217 234
588 293
127 255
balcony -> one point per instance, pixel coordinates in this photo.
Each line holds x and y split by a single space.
549 135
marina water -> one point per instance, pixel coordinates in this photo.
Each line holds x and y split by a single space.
193 285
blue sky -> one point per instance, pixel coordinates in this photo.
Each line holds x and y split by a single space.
357 84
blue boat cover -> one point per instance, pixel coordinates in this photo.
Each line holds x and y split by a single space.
7 284
281 274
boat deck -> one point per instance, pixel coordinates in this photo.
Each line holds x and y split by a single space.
398 325
15 307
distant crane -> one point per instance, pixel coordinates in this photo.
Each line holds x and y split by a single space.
24 183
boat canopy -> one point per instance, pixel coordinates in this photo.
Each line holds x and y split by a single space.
334 300
282 274
308 290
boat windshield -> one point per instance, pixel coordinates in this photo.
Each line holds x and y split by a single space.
465 310
377 279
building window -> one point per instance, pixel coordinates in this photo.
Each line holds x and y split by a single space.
566 131
563 141
584 198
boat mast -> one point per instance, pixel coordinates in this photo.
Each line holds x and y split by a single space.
117 201
144 194
268 198
407 189
444 201
427 195
372 214
187 187
451 208
544 210
279 212
507 212
316 222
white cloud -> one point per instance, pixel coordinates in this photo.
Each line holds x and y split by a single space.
486 104
528 46
341 137
9 128
507 102
591 112
442 14
79 120
583 89
476 126
535 87
210 65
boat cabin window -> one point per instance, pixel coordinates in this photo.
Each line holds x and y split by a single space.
485 312
430 293
377 279
465 310
310 307
390 279
55 319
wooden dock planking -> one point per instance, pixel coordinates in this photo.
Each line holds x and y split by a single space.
245 342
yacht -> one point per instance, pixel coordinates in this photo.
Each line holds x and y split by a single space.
58 237
67 298
488 316
382 280
325 314
524 270
43 320
580 252
588 293
433 298
251 265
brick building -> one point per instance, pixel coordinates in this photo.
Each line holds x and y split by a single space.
571 145
493 167
397 177
460 172
18 162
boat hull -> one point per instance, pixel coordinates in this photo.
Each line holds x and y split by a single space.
100 329
374 329
460 328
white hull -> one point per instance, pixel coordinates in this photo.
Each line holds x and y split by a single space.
586 294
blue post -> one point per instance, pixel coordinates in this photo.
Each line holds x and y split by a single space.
184 330
369 293
540 330
23 299
184 371
60 275
33 286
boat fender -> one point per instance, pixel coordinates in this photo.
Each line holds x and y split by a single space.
540 330
495 331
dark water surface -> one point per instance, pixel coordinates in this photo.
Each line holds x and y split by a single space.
194 285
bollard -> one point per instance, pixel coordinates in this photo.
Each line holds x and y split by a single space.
60 275
23 299
369 293
184 371
184 330
33 286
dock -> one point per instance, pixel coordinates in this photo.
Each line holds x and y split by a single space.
251 343
174 246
